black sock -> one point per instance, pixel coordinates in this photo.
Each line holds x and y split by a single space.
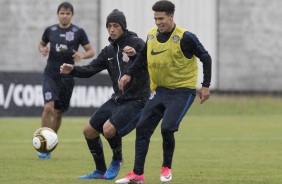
138 171
116 145
168 148
96 149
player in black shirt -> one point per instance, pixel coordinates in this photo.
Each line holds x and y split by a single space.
64 40
119 115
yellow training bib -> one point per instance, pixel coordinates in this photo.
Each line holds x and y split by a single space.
167 65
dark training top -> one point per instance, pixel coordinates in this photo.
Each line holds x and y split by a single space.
112 59
62 43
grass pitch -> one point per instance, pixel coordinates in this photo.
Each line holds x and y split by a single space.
227 140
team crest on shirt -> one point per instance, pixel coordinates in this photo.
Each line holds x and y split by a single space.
69 36
150 37
175 38
125 57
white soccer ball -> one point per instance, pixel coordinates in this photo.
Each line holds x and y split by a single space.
45 140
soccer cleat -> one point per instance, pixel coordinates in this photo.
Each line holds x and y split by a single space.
95 175
44 155
113 169
131 178
166 175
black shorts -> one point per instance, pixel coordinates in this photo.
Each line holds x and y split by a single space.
170 105
124 117
59 90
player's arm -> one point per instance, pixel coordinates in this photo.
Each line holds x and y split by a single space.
86 71
190 46
139 64
130 51
43 49
89 52
66 68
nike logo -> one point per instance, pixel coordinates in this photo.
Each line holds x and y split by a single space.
158 52
167 177
110 59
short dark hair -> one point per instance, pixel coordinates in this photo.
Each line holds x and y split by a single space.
164 6
65 5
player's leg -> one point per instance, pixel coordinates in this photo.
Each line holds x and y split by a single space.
123 121
115 143
50 94
177 102
64 86
47 114
149 120
150 117
57 120
47 121
95 147
91 133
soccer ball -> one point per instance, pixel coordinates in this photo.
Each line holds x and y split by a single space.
45 140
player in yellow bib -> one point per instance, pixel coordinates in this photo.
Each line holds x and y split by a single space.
170 56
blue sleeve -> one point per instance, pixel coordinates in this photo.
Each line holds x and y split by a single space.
190 45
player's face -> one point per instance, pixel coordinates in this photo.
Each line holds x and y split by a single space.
65 16
114 30
163 21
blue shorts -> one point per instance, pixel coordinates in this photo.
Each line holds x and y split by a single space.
123 116
59 90
170 105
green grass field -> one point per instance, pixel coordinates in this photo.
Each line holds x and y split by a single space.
227 140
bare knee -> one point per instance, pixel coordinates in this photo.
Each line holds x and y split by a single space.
89 132
109 130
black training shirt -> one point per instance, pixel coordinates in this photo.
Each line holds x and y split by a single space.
62 43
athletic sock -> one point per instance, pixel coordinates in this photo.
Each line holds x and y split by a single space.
96 149
116 146
138 171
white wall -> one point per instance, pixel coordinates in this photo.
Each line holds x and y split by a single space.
23 22
250 45
197 16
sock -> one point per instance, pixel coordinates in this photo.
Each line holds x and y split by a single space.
116 145
138 171
96 149
168 148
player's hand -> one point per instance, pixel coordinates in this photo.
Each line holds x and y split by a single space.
66 68
123 81
204 94
76 56
130 51
44 51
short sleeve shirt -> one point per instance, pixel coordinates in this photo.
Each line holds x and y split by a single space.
63 41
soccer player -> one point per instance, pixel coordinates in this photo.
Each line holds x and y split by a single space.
170 53
120 114
64 40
